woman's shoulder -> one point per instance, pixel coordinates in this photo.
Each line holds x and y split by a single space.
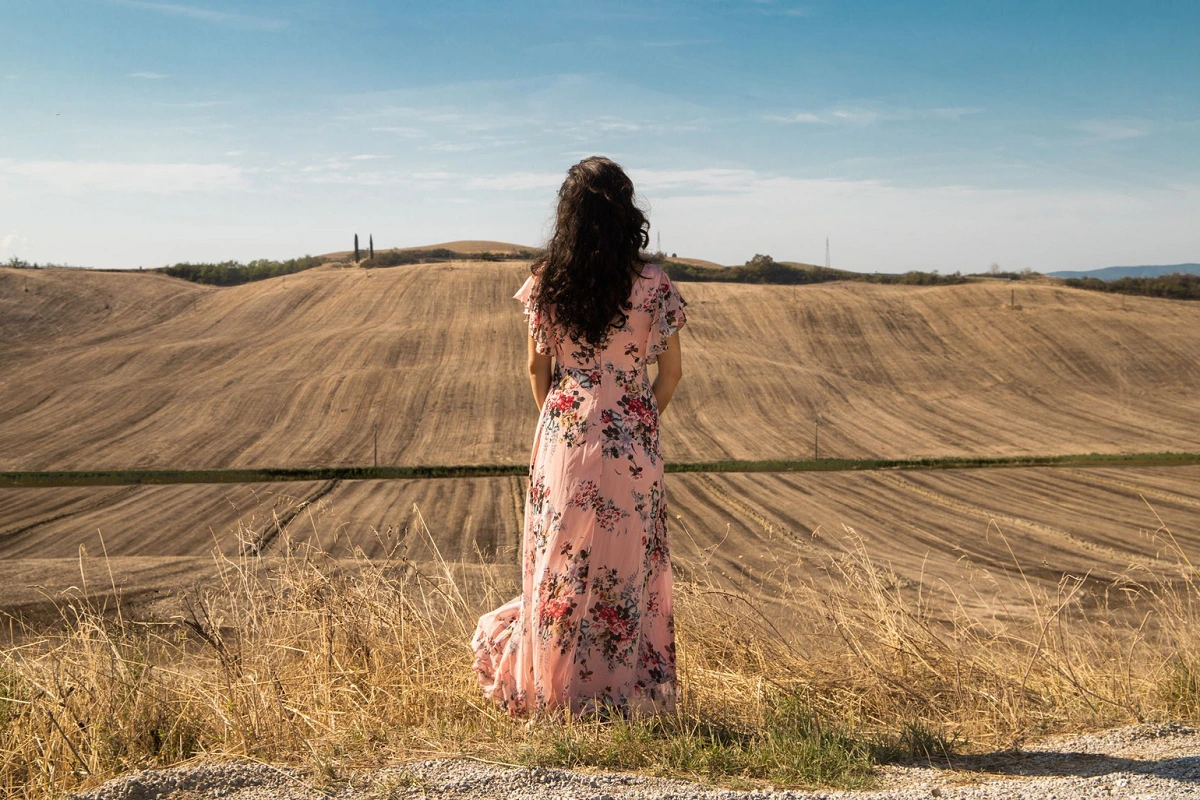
652 272
650 276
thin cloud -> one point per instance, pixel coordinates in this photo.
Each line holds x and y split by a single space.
856 116
150 76
127 177
367 157
1107 130
13 241
516 181
400 130
452 147
863 116
770 8
228 18
712 179
195 104
800 117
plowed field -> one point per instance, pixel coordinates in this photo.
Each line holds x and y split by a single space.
962 530
103 370
122 371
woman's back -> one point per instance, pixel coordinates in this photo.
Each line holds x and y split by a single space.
628 347
592 627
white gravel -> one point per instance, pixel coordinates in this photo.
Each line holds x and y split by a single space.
1145 761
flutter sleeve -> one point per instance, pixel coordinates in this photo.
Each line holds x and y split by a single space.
669 317
537 319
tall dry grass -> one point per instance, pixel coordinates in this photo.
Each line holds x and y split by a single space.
331 664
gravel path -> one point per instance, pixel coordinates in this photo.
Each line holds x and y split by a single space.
1145 761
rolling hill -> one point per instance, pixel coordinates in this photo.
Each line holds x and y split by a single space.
106 370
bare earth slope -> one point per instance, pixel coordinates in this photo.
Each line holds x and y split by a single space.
105 370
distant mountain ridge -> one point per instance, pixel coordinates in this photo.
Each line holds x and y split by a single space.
1116 273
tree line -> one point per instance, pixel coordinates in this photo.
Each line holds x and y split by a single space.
233 273
765 269
1176 286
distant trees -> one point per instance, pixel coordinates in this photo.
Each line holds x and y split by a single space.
356 259
397 258
1177 286
764 269
233 273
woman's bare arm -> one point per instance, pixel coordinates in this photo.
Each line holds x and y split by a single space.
670 370
539 374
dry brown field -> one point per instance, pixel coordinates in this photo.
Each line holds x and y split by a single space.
112 371
106 370
973 534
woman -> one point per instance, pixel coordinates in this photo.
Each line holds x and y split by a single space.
592 629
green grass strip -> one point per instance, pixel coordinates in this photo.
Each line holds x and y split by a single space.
127 477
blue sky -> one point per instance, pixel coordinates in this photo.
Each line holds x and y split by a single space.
915 135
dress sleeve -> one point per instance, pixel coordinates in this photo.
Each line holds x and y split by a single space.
669 317
539 324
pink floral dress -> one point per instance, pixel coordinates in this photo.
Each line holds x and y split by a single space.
592 627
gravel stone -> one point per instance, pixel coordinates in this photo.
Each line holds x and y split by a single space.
1143 761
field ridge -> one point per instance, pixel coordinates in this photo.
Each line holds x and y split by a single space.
274 475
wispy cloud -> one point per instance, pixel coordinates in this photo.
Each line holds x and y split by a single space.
429 114
452 147
856 116
704 181
877 224
13 241
802 117
400 130
127 177
229 18
151 76
771 8
516 181
367 157
1107 130
195 104
866 115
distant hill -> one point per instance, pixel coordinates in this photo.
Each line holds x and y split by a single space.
1116 273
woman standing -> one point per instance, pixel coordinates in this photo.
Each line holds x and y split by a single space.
592 628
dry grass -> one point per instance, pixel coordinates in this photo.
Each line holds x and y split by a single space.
335 663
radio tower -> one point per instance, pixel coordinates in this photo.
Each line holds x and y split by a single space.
826 252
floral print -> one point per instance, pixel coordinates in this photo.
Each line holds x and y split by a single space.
592 627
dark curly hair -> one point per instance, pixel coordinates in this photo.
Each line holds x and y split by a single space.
588 267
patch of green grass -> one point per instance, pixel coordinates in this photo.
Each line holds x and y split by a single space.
125 477
789 746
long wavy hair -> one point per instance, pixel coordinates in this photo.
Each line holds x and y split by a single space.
588 267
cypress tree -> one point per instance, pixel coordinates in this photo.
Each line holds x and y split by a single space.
371 244
356 248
